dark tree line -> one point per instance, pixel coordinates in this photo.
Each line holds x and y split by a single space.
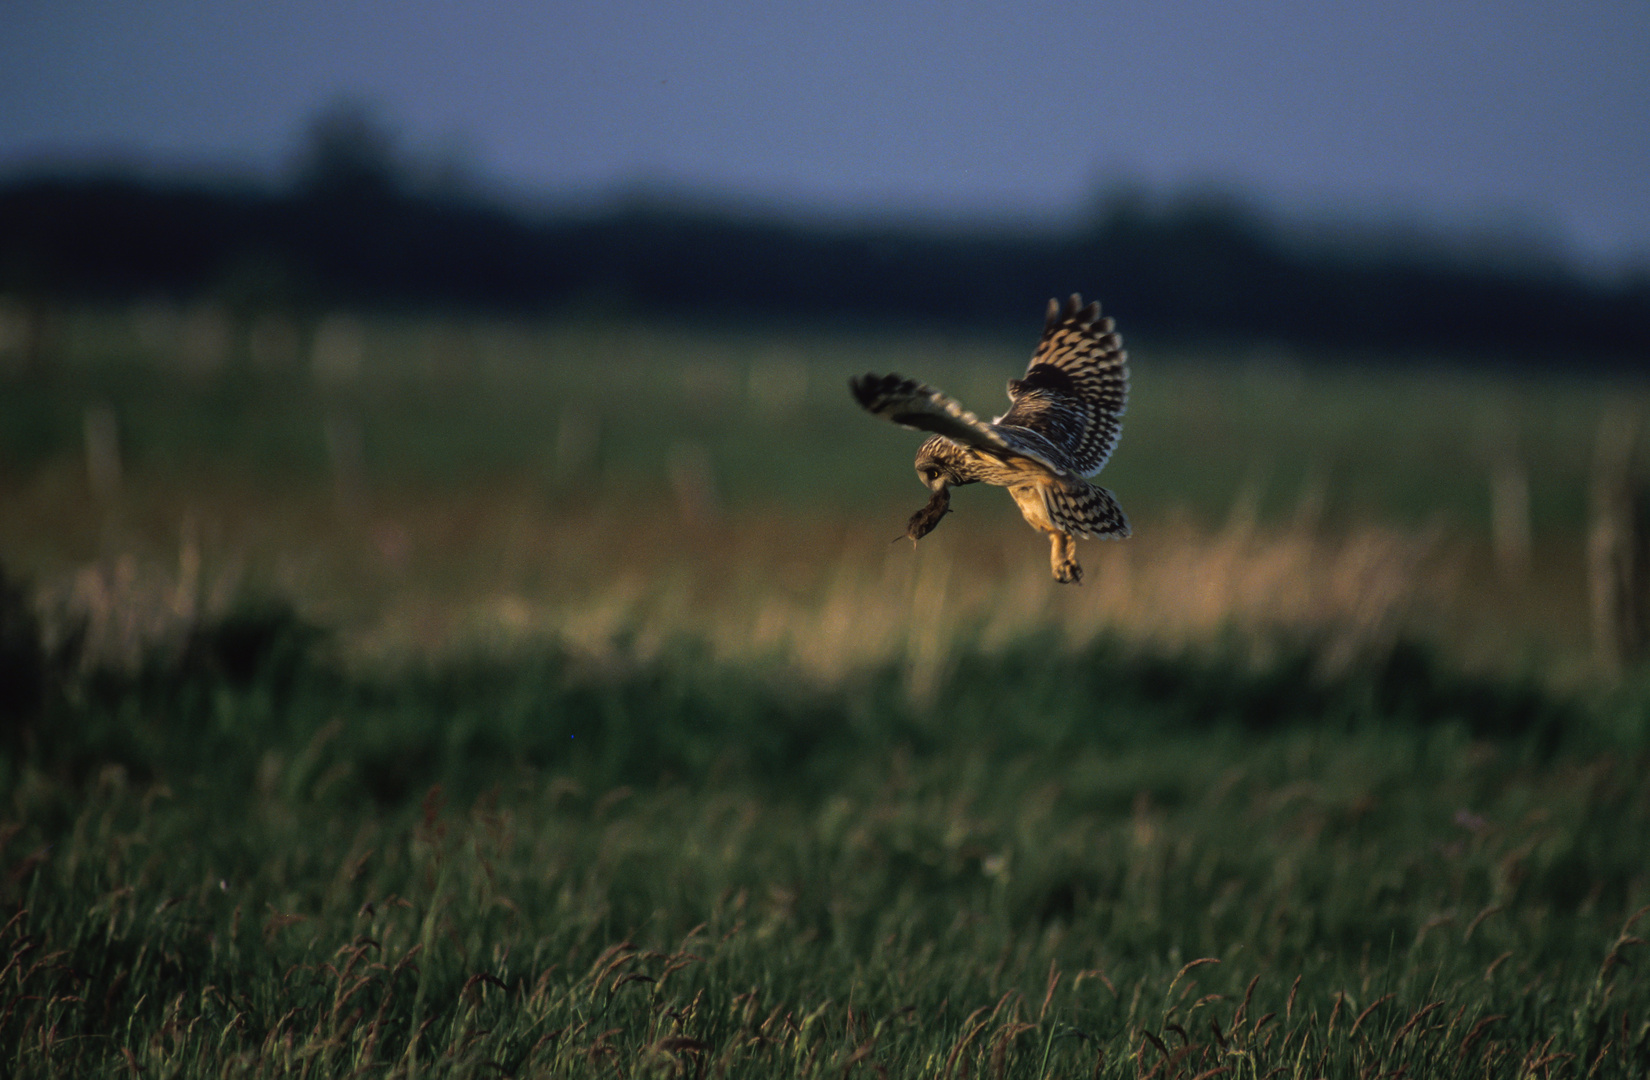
349 231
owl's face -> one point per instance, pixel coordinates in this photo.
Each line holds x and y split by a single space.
941 463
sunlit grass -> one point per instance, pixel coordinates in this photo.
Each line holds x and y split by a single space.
419 482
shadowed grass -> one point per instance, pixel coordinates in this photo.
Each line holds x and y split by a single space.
663 868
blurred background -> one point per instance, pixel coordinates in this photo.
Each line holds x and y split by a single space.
463 331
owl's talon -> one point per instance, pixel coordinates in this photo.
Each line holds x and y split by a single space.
1062 557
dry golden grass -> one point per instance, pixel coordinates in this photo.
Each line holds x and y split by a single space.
432 486
508 566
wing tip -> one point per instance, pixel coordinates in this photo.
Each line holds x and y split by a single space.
1073 311
869 387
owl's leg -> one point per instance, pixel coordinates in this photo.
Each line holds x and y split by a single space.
1062 557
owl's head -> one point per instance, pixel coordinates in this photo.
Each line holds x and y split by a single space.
941 463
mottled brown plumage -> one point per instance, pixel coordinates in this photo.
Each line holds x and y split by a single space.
1061 427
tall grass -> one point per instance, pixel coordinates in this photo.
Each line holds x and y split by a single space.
405 698
1115 865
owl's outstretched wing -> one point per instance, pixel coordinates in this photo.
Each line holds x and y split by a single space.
917 405
1075 389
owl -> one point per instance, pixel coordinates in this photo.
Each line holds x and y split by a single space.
1060 429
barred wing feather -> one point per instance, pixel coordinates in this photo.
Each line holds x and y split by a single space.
917 405
1076 388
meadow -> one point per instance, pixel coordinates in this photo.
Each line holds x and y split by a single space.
408 697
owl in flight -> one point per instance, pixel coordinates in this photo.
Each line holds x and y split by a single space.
1061 428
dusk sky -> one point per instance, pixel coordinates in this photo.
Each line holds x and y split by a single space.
1460 114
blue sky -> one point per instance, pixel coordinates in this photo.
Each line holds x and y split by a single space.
1464 114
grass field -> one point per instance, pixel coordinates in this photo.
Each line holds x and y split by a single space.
414 698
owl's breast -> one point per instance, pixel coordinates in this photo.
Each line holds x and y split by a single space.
1029 498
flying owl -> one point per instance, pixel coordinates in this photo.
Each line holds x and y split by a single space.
1061 428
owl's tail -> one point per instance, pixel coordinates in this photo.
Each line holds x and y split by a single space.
1081 509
